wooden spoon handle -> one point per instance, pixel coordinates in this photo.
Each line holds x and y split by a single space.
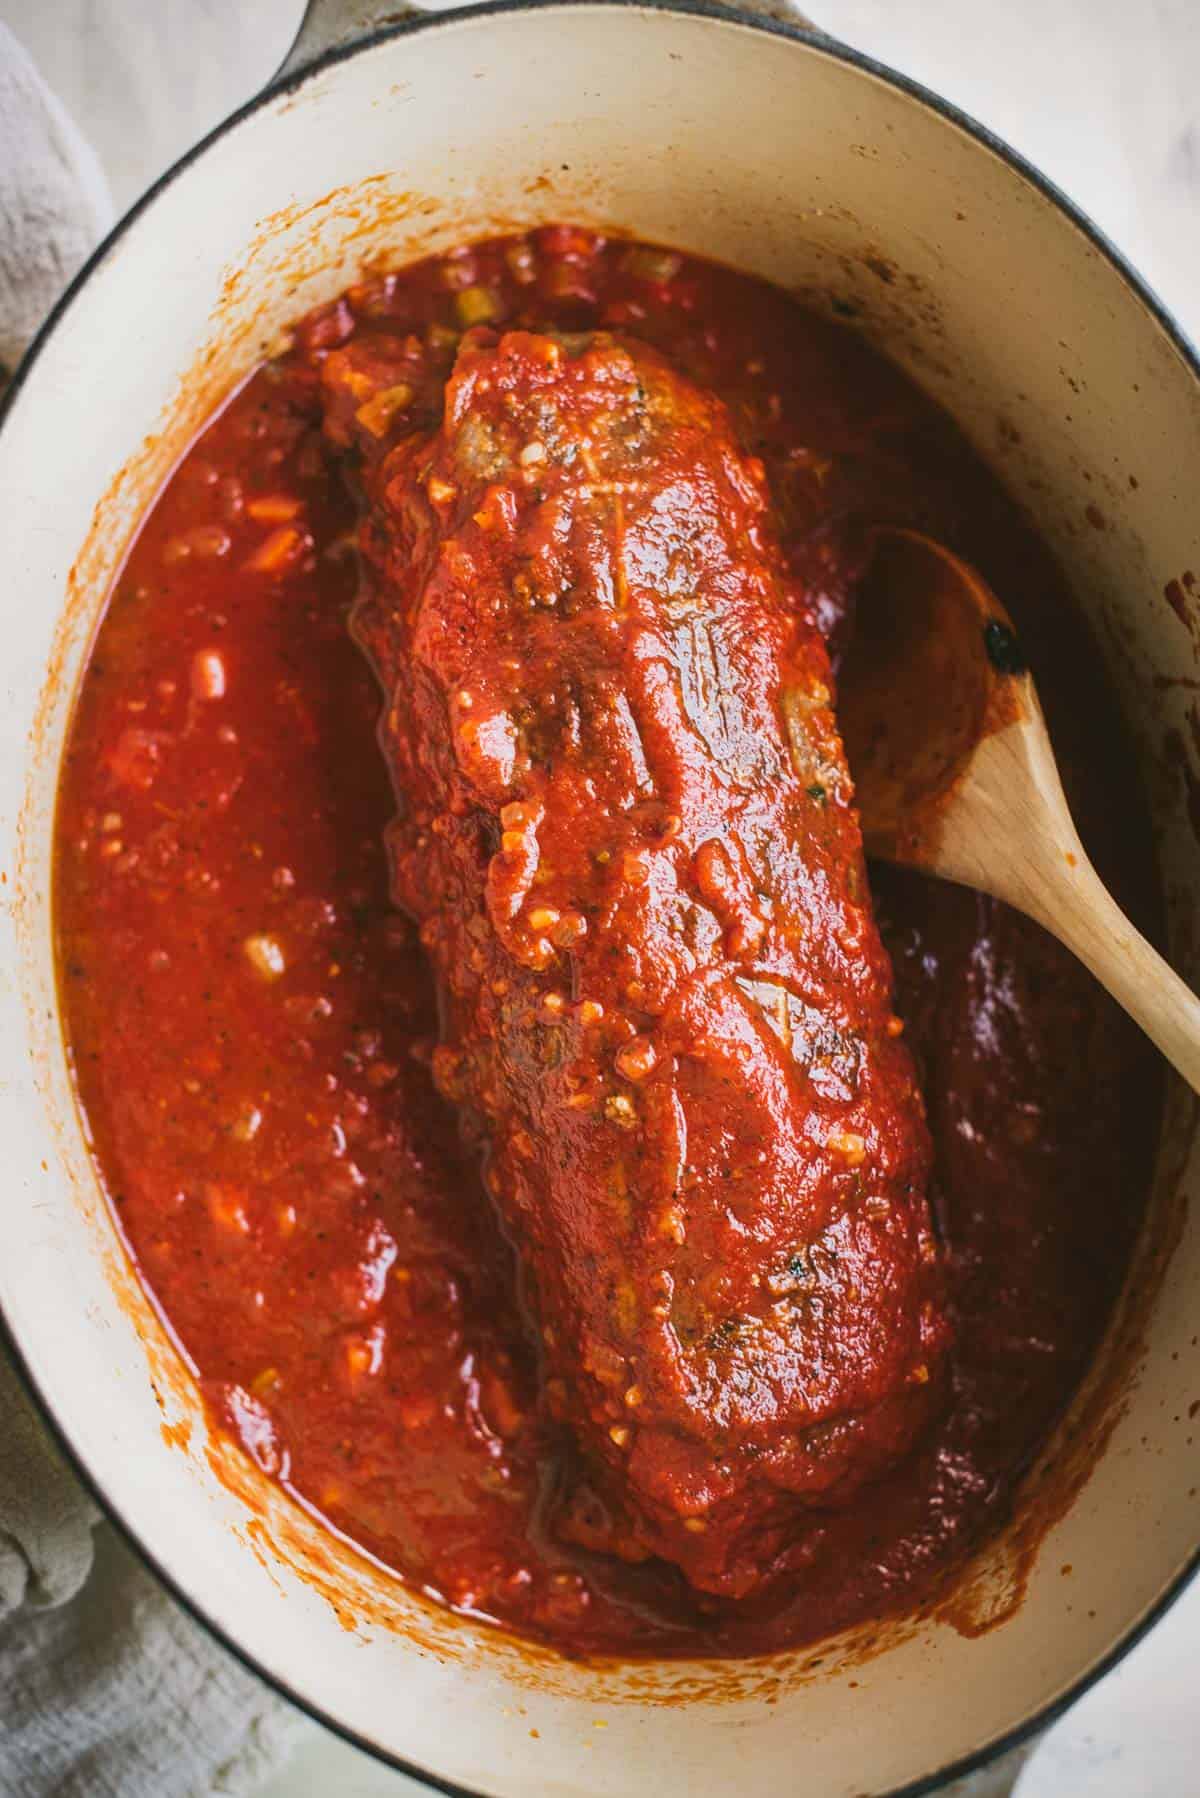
1090 922
1010 833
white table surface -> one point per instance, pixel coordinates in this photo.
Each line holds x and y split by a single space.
1105 97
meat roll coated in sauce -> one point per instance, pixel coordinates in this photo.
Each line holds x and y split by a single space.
628 834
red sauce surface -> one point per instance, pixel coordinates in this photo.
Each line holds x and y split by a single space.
252 1022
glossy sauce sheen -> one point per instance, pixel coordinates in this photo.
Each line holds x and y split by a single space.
253 1025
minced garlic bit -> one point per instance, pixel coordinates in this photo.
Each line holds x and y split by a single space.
265 954
672 1224
570 927
636 1059
247 1124
619 1109
208 674
620 1434
533 452
849 1145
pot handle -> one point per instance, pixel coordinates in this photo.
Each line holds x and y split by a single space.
333 24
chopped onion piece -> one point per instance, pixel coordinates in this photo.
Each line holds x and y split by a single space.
476 306
208 674
265 955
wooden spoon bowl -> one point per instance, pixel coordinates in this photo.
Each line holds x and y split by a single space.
955 773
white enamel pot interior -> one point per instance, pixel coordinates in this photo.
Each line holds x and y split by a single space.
781 154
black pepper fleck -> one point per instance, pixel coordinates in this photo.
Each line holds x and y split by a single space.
1004 652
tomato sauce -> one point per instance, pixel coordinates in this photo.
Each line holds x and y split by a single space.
252 1022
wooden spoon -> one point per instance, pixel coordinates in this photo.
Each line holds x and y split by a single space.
955 774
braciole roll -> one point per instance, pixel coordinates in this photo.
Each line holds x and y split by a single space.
627 830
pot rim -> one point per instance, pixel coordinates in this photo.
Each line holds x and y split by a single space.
832 47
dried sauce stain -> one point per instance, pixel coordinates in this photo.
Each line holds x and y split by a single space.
290 1183
1176 595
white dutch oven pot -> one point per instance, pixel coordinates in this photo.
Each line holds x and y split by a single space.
781 153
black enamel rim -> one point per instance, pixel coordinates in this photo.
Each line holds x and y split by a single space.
837 52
